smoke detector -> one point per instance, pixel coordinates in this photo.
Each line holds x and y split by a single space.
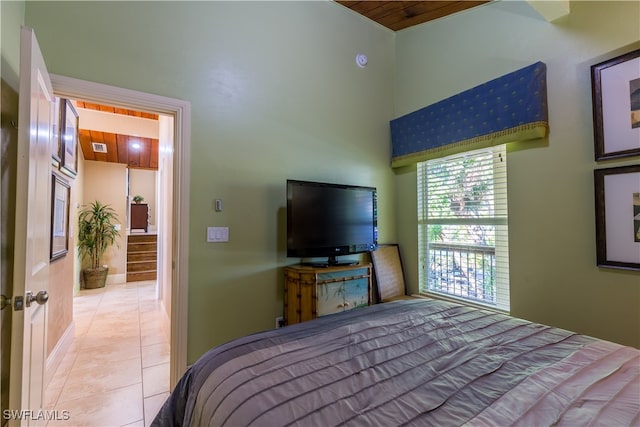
99 147
361 60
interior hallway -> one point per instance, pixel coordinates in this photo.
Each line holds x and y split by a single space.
116 372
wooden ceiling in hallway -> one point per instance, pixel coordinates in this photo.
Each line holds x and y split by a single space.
134 151
398 15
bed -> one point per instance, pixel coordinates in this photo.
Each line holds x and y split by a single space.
419 362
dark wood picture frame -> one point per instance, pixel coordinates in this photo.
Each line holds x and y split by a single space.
617 203
60 195
615 87
56 141
69 138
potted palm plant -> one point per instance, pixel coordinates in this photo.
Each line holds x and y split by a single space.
96 232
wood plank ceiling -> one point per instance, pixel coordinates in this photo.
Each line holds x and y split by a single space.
135 152
398 15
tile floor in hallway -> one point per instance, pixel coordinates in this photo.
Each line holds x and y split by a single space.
116 372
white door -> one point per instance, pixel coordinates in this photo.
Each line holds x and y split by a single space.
33 216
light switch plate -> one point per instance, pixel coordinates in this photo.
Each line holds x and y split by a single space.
217 234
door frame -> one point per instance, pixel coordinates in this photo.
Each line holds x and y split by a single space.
180 110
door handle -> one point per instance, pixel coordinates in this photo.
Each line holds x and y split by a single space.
41 298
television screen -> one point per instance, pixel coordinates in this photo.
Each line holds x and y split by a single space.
329 220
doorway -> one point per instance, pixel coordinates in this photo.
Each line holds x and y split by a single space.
119 349
175 255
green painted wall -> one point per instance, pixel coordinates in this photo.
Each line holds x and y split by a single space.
554 279
11 18
275 94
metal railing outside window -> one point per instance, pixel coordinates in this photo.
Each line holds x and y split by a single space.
463 270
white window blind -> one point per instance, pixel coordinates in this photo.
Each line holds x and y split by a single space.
462 227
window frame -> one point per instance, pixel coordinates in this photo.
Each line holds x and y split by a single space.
498 219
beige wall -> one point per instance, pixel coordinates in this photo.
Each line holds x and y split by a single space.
143 182
554 278
105 121
61 289
63 274
107 183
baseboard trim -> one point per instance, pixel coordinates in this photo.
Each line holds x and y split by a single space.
59 351
166 325
115 279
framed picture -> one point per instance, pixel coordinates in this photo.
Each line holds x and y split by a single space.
617 192
60 194
69 138
615 86
56 141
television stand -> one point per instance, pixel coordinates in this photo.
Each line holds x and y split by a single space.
331 262
327 265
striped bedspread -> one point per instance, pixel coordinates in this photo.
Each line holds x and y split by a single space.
419 362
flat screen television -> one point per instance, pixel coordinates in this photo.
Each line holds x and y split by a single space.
330 220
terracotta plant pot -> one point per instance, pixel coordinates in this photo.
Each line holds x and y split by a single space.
95 278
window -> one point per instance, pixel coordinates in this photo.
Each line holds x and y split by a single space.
462 227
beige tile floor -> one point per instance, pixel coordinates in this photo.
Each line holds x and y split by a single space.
116 372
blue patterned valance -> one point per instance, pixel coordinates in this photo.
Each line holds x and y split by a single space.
510 108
